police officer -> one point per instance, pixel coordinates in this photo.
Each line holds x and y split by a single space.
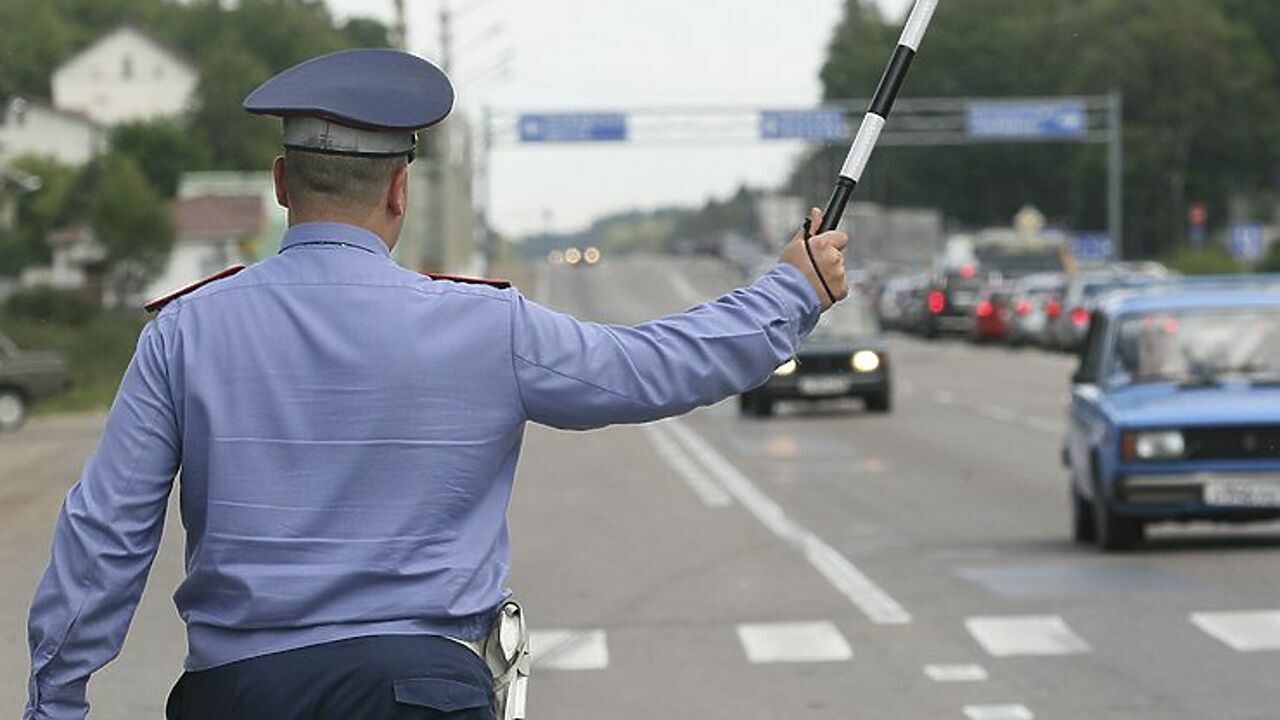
347 433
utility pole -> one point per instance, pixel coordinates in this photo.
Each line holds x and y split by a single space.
400 30
439 172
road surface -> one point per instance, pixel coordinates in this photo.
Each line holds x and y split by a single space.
822 564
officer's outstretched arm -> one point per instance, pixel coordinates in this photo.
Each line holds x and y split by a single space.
581 375
105 539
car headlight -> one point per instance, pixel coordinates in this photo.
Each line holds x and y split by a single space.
787 368
865 361
1163 445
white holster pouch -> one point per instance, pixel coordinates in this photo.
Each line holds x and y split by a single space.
506 652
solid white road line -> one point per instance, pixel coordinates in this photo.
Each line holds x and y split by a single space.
998 712
711 494
569 649
1242 631
956 673
874 602
793 642
1025 635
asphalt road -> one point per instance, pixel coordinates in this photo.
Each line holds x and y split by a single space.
825 563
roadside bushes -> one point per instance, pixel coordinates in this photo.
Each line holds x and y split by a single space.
47 305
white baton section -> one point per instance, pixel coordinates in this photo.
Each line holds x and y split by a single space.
918 23
851 582
863 145
569 649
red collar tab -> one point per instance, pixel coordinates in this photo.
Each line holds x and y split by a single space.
500 284
159 303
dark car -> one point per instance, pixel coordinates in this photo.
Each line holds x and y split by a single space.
1175 413
950 303
26 377
843 357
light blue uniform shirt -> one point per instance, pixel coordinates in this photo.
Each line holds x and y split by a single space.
347 432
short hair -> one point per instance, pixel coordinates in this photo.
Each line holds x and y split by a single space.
343 181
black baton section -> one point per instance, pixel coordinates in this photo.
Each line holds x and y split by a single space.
836 205
891 83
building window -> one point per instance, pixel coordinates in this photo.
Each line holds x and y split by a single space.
126 68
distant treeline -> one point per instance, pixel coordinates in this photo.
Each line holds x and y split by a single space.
1201 96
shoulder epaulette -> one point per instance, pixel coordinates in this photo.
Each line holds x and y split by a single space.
159 303
500 284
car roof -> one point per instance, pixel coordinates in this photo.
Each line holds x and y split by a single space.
1196 293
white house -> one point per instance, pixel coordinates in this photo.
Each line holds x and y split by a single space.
211 233
126 75
33 127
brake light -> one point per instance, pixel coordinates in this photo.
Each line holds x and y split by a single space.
1053 309
1080 317
1023 308
968 272
986 309
937 302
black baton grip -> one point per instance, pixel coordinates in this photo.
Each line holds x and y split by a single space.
836 206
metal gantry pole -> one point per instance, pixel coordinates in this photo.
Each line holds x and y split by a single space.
1115 174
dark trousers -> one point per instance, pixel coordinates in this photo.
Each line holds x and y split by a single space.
387 677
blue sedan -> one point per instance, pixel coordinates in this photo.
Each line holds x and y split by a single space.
1175 411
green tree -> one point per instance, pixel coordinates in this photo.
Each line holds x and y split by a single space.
132 222
38 213
162 149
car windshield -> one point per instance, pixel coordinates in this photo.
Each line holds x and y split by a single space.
846 320
1197 347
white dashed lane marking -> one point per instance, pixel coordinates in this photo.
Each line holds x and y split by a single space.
996 412
1028 635
569 649
956 673
711 494
1253 631
998 712
851 582
794 642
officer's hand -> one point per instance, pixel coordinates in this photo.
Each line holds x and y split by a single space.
828 253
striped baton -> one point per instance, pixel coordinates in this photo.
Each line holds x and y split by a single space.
881 106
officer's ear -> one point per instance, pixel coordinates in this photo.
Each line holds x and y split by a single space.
398 193
280 174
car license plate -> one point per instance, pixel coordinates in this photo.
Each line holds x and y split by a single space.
962 298
1236 495
818 386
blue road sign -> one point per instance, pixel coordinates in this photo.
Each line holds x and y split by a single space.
1064 120
1247 241
1091 246
572 127
823 125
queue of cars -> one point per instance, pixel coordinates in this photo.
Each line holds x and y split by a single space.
1045 309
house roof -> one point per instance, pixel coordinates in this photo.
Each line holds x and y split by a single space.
7 105
219 217
175 53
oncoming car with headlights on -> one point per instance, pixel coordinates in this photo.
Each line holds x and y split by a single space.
1175 411
843 357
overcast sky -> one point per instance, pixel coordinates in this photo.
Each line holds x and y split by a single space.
621 54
